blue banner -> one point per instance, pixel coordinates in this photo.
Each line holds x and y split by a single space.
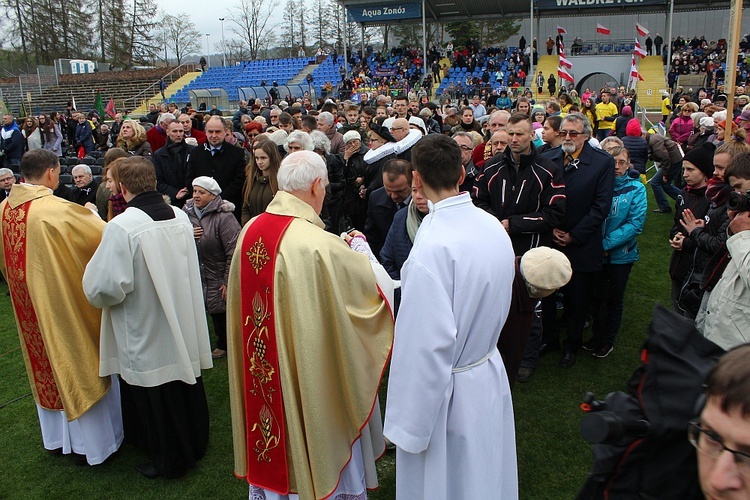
378 12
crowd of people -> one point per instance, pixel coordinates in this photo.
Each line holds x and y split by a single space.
530 202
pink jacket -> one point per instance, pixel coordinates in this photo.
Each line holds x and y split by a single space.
681 128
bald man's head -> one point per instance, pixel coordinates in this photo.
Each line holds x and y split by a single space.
400 128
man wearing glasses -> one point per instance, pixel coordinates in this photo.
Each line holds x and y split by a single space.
589 176
722 434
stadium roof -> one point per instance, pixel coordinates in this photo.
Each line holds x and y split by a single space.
472 10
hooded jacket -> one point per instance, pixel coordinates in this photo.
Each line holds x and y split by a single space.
12 141
625 221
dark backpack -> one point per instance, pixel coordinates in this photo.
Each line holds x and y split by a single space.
641 449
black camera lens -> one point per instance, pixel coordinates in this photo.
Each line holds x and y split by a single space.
738 202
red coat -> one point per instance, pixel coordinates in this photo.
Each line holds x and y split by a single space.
156 137
199 136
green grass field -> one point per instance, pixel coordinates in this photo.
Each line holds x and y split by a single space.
553 459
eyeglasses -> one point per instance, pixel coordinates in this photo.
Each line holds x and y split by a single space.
572 133
622 163
394 129
712 445
466 148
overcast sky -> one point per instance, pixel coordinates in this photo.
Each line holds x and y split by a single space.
205 15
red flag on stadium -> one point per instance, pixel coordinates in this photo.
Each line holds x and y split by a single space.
561 31
602 29
563 73
638 50
110 109
641 29
565 62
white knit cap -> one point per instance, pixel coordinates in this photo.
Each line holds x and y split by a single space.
545 268
352 135
207 183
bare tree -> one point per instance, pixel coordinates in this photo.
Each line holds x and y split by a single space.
142 31
181 35
236 51
251 22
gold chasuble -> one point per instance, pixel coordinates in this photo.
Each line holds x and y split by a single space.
333 336
47 242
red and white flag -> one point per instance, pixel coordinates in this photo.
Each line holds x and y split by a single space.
563 73
561 31
638 50
564 62
110 109
641 29
602 29
634 75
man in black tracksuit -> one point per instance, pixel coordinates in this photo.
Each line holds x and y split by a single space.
526 192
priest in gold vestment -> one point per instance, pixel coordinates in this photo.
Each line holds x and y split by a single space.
47 242
310 330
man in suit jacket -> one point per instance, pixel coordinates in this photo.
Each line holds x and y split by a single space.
7 179
384 202
589 176
220 160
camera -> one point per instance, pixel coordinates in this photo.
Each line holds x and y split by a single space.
739 202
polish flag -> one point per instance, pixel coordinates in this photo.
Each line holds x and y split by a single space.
565 62
602 29
641 29
638 50
563 73
561 31
635 77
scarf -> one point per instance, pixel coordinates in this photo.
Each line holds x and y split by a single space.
413 219
174 148
717 191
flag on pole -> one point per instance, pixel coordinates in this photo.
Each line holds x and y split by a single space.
564 62
110 109
602 29
73 100
563 73
641 29
635 77
561 31
638 50
3 108
22 113
99 104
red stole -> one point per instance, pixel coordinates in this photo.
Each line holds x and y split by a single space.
39 368
264 404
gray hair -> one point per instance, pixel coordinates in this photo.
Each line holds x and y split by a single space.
303 138
465 134
166 116
6 171
326 118
279 137
579 118
86 169
610 142
320 141
299 170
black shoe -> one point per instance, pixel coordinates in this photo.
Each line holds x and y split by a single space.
603 350
568 359
525 374
149 470
665 210
590 345
549 347
79 460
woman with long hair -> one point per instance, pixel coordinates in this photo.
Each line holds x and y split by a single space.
31 133
260 179
132 139
51 134
589 111
116 204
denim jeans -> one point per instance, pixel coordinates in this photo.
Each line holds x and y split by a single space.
602 133
660 187
609 301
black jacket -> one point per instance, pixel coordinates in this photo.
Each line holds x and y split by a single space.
84 195
588 195
170 164
380 212
638 151
532 198
226 166
688 260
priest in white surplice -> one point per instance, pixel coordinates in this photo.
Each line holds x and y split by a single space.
449 410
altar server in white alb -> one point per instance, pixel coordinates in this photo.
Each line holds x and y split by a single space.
449 410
